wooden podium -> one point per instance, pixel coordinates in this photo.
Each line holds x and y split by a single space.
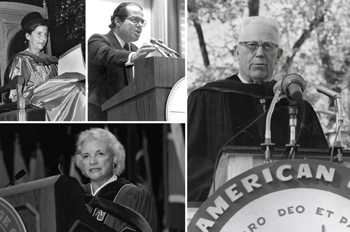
54 204
144 98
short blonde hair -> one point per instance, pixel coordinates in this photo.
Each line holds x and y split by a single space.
261 21
113 146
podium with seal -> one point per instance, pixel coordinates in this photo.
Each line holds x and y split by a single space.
54 204
145 97
308 193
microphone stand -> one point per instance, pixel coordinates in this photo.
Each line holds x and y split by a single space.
339 118
293 112
268 145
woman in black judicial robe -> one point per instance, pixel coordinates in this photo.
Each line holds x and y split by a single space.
101 158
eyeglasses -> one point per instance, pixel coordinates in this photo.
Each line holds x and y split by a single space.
253 46
137 20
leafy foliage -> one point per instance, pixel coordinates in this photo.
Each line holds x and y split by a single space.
72 13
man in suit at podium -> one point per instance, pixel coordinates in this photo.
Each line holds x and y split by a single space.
233 110
111 57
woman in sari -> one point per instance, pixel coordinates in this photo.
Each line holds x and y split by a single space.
62 100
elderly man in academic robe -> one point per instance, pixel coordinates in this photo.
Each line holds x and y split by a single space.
222 111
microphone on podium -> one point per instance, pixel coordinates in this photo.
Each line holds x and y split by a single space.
18 176
337 99
167 53
293 86
162 45
328 92
339 119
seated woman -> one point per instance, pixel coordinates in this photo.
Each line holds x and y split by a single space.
63 101
101 158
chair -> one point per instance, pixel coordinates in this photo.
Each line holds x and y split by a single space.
19 111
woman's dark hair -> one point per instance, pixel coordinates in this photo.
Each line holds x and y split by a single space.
32 28
121 12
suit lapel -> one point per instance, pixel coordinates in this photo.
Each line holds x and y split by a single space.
133 47
115 44
113 40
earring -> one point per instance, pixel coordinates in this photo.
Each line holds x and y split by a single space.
114 165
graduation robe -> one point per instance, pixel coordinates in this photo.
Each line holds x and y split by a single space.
62 100
136 198
221 109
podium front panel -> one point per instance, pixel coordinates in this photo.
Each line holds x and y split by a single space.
144 98
236 160
52 204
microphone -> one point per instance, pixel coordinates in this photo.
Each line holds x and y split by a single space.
167 53
161 52
19 175
154 41
328 92
339 118
337 99
293 86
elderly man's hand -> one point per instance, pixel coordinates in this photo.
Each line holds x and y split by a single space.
143 51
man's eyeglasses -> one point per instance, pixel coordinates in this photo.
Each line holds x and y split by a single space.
253 46
137 20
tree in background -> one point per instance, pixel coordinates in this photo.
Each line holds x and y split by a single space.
314 36
72 13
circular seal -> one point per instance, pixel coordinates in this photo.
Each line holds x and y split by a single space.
10 221
288 195
176 103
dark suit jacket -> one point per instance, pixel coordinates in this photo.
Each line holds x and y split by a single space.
107 73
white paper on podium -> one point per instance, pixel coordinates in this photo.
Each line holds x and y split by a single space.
72 61
71 66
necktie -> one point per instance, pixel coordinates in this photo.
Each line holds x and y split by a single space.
129 69
127 47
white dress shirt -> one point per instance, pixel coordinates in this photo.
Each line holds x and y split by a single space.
113 178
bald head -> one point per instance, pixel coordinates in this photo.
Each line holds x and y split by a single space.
251 27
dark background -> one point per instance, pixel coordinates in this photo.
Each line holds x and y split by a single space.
59 34
57 142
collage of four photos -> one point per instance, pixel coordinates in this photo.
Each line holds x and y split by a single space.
174 115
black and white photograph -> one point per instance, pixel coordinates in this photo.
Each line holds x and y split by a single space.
268 115
93 177
136 60
174 115
42 61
